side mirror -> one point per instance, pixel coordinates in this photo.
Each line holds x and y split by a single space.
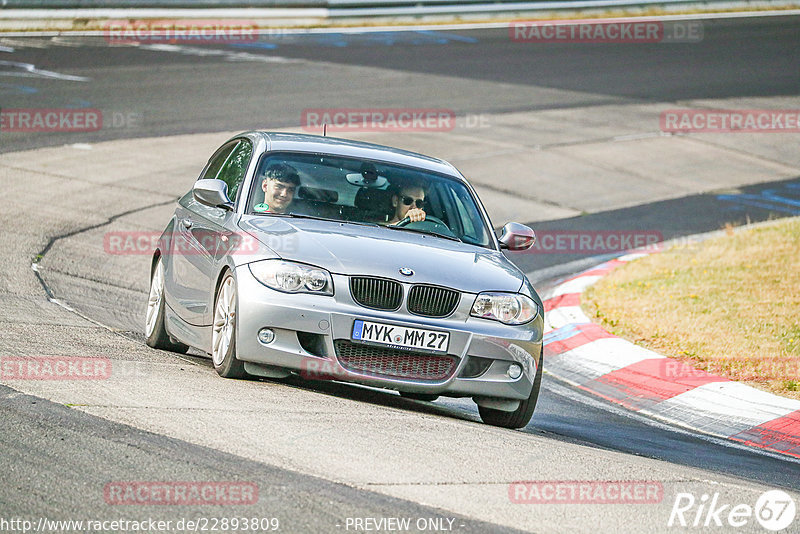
517 236
212 193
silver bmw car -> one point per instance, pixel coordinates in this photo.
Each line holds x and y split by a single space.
340 260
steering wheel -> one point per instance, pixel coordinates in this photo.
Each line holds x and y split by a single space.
431 224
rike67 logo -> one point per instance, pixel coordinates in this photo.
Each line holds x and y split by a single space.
774 510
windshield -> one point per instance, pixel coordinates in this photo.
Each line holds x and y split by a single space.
371 192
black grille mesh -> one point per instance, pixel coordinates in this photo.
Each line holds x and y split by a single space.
475 367
393 363
432 301
376 293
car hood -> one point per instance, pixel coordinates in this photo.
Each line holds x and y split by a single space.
353 249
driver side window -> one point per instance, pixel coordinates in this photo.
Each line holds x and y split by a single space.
217 161
230 165
234 169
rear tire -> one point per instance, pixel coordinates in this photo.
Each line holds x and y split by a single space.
154 329
520 417
223 337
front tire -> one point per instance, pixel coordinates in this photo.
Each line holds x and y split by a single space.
223 337
154 328
520 417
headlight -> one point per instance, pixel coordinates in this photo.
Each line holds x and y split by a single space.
508 308
292 277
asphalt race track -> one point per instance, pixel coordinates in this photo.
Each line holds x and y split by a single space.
562 136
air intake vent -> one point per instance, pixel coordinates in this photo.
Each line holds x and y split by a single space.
376 293
475 367
432 301
393 363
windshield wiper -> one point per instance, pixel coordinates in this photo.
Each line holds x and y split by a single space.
443 236
318 218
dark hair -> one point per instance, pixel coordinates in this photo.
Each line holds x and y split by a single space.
412 183
282 172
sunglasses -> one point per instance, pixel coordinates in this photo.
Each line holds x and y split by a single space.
409 200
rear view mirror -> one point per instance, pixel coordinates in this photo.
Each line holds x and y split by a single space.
517 236
212 193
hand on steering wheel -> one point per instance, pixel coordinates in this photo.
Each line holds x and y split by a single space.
431 224
412 215
416 214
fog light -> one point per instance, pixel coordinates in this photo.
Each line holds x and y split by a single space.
514 371
266 336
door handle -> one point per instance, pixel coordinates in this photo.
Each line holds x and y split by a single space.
187 223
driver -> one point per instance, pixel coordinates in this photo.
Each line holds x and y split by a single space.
408 202
279 185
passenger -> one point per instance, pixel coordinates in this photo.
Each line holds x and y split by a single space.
279 185
408 202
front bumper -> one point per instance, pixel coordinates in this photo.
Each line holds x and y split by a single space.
306 327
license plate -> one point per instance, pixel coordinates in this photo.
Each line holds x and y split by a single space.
400 337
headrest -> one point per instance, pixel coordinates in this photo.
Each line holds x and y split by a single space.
322 195
373 199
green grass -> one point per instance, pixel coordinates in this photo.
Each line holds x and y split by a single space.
729 305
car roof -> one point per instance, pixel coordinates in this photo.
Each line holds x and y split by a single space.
317 144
